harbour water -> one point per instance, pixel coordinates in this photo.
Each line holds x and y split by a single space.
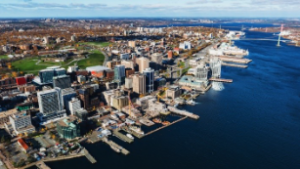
253 123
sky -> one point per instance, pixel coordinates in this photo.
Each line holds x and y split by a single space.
149 8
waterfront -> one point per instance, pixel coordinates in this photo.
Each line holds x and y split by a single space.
253 123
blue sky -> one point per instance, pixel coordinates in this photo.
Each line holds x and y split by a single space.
149 8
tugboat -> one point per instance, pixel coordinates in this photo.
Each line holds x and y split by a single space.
156 120
165 123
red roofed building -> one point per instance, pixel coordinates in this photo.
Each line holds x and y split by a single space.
23 145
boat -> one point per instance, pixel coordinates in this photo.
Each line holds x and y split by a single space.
136 129
130 136
156 120
165 123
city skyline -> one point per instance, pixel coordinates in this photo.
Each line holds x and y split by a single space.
155 8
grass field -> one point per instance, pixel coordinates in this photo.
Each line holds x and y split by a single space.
28 65
96 58
3 57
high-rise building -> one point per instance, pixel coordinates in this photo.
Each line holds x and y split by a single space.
215 65
143 63
201 73
127 64
67 95
124 56
74 105
50 104
139 83
21 123
149 73
157 58
63 81
46 75
119 72
119 100
68 128
128 82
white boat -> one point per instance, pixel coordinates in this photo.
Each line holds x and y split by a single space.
130 136
136 129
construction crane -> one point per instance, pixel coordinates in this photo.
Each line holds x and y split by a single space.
130 104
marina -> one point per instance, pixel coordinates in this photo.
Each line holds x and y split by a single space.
121 136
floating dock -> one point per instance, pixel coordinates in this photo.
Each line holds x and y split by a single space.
183 112
117 148
221 80
153 131
122 136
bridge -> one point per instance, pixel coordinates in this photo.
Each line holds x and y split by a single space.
261 39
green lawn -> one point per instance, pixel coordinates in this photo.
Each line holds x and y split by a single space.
3 57
96 58
28 65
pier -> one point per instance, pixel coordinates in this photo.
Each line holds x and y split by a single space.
234 65
122 136
89 156
162 127
183 113
221 80
42 165
235 60
117 148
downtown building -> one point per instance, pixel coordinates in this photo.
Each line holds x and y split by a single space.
63 81
50 105
139 83
143 63
149 73
119 72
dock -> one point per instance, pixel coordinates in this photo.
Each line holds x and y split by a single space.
221 80
234 65
117 148
162 127
42 165
132 132
122 136
89 156
235 60
183 112
146 122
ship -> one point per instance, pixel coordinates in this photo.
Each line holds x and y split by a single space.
130 136
136 129
156 120
165 123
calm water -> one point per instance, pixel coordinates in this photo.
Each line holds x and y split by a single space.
253 123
